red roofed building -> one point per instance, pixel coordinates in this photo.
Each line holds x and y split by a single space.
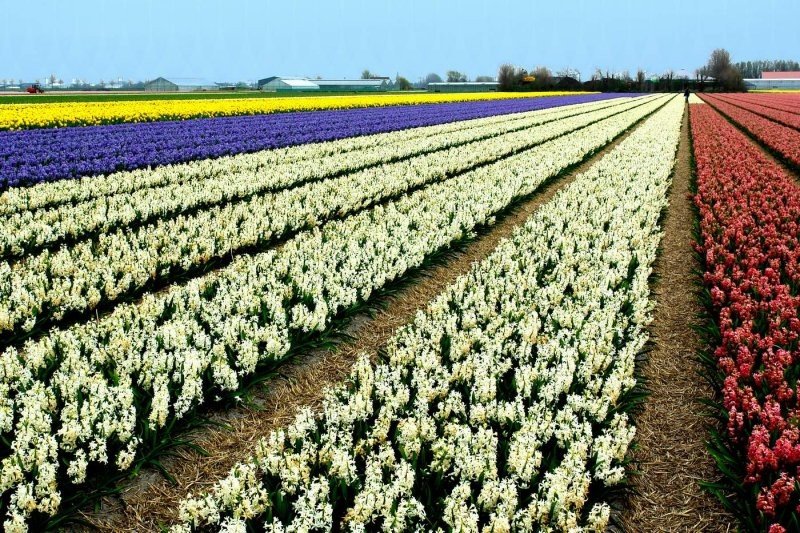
791 75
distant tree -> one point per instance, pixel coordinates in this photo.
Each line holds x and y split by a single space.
402 84
366 74
726 74
433 78
484 78
569 72
542 77
456 76
52 79
640 79
719 62
506 77
731 79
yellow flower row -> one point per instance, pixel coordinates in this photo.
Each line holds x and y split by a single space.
23 116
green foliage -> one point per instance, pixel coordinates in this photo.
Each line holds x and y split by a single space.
402 84
456 76
753 69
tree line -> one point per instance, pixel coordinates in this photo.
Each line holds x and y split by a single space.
753 69
719 73
403 84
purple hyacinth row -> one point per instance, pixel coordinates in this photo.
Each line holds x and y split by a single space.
33 156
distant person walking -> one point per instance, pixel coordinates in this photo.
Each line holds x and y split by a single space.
686 95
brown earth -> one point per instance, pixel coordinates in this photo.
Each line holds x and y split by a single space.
671 429
150 501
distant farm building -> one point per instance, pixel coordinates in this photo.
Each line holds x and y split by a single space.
790 75
281 84
774 80
463 86
278 84
180 85
353 85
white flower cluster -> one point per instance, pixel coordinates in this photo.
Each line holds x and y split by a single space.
499 407
80 276
170 190
74 396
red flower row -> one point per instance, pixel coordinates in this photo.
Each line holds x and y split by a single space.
784 117
782 139
782 102
749 239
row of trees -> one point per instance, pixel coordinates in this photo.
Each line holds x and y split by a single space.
719 73
730 76
453 76
511 78
403 84
753 69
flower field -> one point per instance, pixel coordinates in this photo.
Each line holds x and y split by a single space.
749 212
57 115
175 270
100 388
781 102
785 116
32 156
783 140
501 406
56 282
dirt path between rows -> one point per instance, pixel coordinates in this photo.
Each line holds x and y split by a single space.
671 429
150 501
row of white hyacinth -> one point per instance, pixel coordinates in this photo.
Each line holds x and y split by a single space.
77 278
74 397
217 181
72 191
501 407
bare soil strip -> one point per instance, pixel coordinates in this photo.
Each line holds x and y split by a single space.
671 429
150 502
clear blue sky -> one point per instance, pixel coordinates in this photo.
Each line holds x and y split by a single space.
250 39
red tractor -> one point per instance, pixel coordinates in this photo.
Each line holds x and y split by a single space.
35 89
